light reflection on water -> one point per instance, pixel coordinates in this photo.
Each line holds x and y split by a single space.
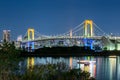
102 68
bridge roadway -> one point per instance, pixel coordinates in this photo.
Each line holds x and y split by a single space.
73 37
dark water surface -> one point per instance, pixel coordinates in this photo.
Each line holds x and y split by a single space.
102 68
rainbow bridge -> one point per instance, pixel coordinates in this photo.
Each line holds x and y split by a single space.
85 34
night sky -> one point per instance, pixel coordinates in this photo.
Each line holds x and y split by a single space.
57 16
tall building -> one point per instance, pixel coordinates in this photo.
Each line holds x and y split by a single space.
6 35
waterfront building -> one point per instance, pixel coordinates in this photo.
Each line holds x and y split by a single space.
6 35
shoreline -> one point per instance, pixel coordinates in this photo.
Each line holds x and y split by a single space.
67 52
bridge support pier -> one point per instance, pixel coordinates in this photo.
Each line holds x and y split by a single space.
88 43
30 46
30 34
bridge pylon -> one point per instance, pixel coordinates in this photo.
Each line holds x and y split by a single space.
71 33
88 28
30 35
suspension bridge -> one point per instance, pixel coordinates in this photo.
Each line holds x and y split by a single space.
85 34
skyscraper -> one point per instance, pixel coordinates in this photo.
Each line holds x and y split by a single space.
6 35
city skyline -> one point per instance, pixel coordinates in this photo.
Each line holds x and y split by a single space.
56 17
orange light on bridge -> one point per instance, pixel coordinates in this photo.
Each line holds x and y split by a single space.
86 23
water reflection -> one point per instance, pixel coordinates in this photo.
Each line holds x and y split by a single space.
106 68
30 63
89 66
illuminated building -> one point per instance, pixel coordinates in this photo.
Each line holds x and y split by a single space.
6 35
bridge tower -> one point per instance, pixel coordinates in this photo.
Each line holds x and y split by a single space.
88 28
71 33
88 32
30 34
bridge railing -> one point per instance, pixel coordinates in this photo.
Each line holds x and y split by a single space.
66 37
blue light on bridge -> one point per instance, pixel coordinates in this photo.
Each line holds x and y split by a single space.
30 46
33 47
88 43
